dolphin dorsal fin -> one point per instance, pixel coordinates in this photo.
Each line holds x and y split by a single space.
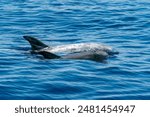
35 43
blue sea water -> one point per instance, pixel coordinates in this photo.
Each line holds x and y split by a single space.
122 24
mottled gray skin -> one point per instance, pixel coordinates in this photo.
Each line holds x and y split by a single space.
79 47
88 51
96 56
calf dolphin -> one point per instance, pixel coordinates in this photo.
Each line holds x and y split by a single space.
87 51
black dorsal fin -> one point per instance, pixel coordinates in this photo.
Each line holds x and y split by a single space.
35 43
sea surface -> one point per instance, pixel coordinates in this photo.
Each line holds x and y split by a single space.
121 24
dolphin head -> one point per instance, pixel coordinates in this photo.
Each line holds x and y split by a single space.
112 52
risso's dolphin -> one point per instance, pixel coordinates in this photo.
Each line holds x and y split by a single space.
87 51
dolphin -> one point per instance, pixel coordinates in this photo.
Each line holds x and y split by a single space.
86 51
